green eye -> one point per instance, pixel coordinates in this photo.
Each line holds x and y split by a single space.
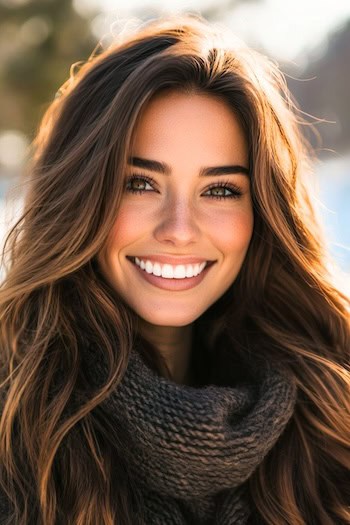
223 190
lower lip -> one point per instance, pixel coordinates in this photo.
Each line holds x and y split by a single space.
172 284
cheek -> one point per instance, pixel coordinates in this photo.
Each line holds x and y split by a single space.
127 227
232 231
122 234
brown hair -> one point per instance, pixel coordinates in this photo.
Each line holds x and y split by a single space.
56 448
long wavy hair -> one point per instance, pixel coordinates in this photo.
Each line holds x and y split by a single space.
61 462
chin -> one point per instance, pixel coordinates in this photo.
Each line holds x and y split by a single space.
169 320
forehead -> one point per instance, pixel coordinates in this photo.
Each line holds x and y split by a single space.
175 124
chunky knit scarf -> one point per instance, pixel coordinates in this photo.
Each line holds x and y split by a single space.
193 448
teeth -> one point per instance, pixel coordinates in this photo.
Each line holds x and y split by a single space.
180 272
167 271
189 271
157 269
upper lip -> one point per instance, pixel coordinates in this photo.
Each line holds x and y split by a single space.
167 259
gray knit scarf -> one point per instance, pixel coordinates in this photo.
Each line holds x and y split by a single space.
194 448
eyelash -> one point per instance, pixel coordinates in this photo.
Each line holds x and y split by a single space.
237 192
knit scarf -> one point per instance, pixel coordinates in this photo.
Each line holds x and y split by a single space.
194 448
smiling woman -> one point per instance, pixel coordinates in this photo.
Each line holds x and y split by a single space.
186 214
172 349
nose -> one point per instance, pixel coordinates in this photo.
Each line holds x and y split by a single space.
177 224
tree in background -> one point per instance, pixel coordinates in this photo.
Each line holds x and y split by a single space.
326 94
39 40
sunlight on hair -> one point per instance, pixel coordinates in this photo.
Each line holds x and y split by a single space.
254 344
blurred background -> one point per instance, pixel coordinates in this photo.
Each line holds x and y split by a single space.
310 41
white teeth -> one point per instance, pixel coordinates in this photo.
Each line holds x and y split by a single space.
189 271
180 272
167 271
157 269
149 267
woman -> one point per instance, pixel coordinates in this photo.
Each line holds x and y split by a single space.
173 351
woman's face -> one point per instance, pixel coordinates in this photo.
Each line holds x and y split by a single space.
181 217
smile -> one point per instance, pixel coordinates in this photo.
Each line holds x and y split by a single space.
169 271
171 277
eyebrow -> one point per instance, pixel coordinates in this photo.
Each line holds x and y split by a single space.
162 167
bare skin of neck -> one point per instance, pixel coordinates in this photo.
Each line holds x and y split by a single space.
174 343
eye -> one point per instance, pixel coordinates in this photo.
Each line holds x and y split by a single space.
136 183
221 188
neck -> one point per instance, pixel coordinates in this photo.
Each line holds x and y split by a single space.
174 343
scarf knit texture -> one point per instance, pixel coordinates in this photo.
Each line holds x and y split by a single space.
194 448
